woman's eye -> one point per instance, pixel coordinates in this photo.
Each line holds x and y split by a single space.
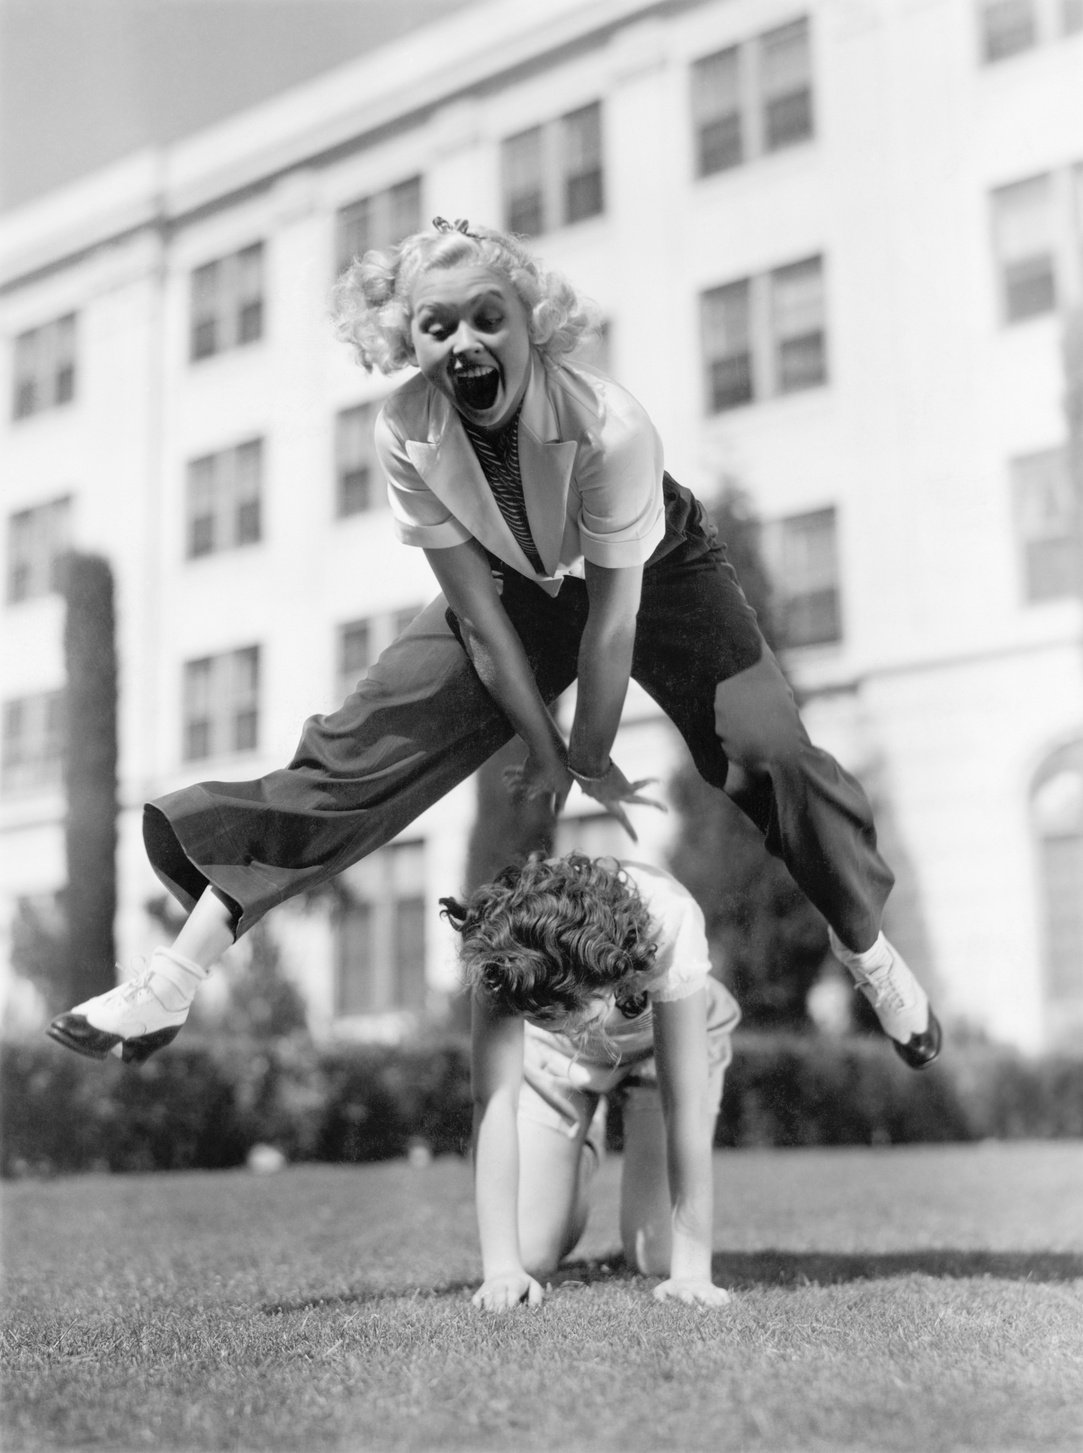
489 322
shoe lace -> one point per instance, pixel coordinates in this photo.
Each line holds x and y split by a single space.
885 992
137 986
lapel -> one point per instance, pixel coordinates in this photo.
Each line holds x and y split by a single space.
545 462
450 468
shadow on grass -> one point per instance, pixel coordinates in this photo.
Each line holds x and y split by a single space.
745 1269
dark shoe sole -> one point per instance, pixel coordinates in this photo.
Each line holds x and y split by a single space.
74 1032
921 1049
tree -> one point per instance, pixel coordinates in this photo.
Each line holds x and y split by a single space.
504 831
766 937
90 774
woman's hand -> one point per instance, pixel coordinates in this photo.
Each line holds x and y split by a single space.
694 1292
536 779
509 1289
612 789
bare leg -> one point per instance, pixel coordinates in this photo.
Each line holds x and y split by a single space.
207 932
555 1174
645 1215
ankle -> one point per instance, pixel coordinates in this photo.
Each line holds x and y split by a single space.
876 956
175 978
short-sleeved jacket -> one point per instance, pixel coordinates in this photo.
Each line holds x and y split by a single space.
591 464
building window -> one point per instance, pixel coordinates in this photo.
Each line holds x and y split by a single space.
764 336
524 182
803 554
32 749
360 642
552 175
380 934
356 470
786 79
1048 526
227 302
223 499
1057 816
752 98
354 655
798 326
727 345
716 111
1008 27
44 368
581 163
38 542
377 221
221 704
1025 248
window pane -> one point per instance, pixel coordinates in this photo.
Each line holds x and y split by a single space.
201 523
797 309
1008 26
248 467
716 112
354 231
786 79
727 345
354 655
32 744
1062 873
354 979
249 294
354 460
807 579
581 135
1047 523
1023 236
38 542
404 210
521 164
197 741
410 983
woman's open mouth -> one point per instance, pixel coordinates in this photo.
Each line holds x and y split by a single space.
476 386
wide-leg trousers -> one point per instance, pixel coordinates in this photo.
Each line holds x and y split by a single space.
421 721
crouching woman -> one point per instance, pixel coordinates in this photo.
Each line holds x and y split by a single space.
587 976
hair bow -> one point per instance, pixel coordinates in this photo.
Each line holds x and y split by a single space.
459 225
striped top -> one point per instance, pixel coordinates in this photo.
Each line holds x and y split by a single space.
498 455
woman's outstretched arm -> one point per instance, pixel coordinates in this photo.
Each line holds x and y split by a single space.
496 1077
501 663
680 1039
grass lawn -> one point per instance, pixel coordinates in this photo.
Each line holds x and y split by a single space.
918 1299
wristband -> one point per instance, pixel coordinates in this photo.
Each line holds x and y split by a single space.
584 780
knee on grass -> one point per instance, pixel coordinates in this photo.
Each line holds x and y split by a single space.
542 1250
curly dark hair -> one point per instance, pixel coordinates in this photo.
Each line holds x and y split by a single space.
545 938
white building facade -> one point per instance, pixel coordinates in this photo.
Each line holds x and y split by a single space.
838 246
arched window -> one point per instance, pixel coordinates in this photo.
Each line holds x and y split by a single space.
1057 815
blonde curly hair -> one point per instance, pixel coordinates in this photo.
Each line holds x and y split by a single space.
371 302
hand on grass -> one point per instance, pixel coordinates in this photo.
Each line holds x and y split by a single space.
613 789
509 1289
693 1291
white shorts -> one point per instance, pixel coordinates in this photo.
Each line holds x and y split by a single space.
562 1087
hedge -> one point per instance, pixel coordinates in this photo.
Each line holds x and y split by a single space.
203 1104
